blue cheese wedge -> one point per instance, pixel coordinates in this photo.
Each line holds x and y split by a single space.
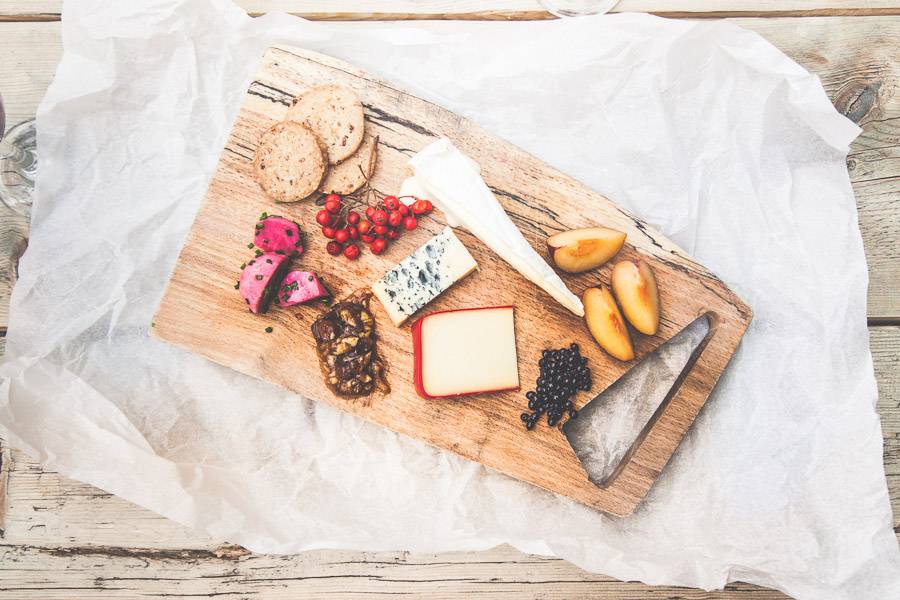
423 275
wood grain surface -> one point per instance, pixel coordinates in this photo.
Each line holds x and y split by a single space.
202 313
64 539
347 10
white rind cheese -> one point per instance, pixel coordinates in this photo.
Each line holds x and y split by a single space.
411 190
423 275
455 186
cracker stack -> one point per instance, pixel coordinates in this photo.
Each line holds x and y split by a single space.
321 145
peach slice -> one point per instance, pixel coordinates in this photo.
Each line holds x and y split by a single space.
580 250
636 291
606 323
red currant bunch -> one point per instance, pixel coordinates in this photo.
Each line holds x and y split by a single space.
339 226
376 227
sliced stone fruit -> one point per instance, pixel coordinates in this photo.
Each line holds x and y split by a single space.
580 250
606 323
635 288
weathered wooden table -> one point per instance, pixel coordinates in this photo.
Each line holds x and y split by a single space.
63 539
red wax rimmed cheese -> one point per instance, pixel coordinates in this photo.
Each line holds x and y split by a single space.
463 352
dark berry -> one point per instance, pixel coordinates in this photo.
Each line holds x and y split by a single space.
563 373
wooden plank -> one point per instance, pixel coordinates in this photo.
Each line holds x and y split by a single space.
31 52
854 57
64 534
36 10
201 312
13 242
34 572
885 345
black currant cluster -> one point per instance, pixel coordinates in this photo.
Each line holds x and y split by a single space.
564 373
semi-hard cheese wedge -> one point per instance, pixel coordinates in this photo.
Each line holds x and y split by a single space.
423 275
463 352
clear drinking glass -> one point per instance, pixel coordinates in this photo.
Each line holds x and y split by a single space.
578 8
18 163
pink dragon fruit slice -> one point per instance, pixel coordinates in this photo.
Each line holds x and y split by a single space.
298 287
260 278
279 235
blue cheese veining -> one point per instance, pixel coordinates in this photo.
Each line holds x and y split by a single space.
423 275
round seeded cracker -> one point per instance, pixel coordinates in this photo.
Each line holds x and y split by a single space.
289 163
335 114
352 173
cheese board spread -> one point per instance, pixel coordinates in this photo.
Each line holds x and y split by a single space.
420 269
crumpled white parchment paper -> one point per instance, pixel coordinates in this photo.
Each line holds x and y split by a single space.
702 128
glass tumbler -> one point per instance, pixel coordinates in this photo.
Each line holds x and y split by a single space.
578 8
18 163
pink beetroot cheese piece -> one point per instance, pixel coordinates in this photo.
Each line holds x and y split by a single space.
298 287
279 235
260 278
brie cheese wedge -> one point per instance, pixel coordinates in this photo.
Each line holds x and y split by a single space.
455 186
411 190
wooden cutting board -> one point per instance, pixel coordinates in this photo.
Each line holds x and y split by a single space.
202 312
